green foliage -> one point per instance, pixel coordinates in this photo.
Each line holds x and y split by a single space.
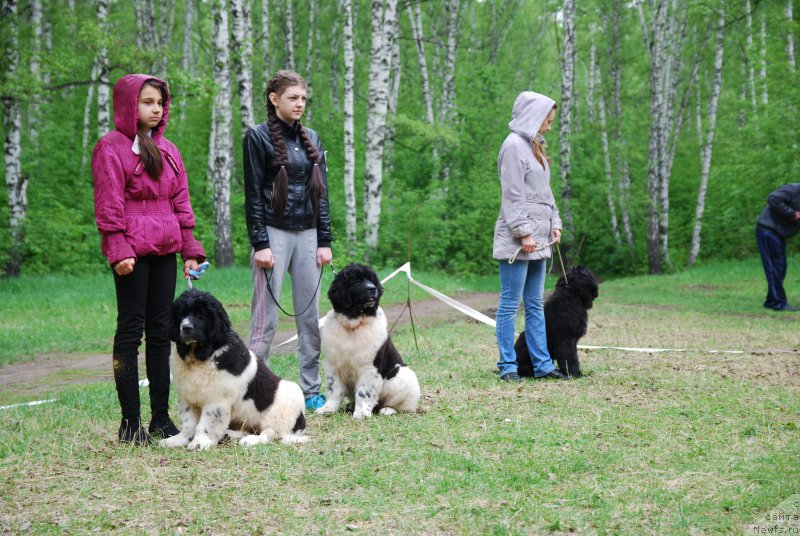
449 170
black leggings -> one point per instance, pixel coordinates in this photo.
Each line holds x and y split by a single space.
144 299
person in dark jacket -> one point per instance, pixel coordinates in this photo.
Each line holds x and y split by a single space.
143 213
288 222
779 221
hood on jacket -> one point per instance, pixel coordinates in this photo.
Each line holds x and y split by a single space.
126 104
529 112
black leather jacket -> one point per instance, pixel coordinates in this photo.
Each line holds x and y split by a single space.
778 215
259 178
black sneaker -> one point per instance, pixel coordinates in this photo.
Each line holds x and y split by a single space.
162 427
131 431
511 377
555 374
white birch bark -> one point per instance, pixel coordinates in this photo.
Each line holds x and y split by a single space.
790 36
103 85
591 80
16 182
565 116
187 63
308 73
763 72
624 181
220 154
336 45
706 150
87 108
415 18
243 52
288 42
610 192
449 79
349 140
166 11
138 11
382 19
265 40
748 54
36 52
654 45
395 70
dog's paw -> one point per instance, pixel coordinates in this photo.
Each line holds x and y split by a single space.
362 413
387 411
201 442
291 439
179 440
253 439
326 409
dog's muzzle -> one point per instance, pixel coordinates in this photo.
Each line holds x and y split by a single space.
187 332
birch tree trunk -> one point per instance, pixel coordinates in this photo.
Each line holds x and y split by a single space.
763 72
187 63
590 81
166 11
705 151
565 119
265 40
415 18
288 42
220 154
449 79
103 85
624 181
601 113
336 43
242 54
790 35
748 55
395 70
382 18
87 108
36 52
349 141
310 55
138 14
16 183
654 144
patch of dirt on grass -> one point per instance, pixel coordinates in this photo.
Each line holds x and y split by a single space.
47 373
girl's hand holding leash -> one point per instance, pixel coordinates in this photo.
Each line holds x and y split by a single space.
188 266
324 256
196 272
263 258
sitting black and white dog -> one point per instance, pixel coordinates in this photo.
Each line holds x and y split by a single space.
223 389
361 363
566 318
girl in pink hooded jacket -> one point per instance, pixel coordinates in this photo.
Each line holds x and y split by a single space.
143 213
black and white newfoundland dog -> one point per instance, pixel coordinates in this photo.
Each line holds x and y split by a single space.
361 363
223 389
566 318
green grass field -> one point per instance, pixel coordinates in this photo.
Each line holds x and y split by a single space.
656 443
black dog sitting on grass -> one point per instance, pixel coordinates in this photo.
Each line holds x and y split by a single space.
566 317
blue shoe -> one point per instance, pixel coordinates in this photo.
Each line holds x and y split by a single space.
315 402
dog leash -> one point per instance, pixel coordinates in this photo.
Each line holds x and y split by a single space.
196 274
516 252
313 296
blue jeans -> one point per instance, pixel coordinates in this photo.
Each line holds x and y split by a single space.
523 279
773 256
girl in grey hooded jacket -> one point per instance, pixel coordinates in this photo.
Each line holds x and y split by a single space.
527 226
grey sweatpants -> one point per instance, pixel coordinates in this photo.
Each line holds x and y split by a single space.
295 252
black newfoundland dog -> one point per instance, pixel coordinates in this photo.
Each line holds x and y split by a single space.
223 389
361 363
566 317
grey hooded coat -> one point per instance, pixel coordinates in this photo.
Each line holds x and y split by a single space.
528 206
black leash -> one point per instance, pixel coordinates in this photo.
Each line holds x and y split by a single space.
313 296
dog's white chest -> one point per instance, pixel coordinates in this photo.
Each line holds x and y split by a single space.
346 343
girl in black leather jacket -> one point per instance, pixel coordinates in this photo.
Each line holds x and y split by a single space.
288 222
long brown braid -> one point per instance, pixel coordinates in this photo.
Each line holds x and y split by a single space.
280 190
148 150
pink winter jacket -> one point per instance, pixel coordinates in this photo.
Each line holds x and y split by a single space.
136 214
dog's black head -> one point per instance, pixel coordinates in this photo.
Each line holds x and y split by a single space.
355 291
199 321
582 282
